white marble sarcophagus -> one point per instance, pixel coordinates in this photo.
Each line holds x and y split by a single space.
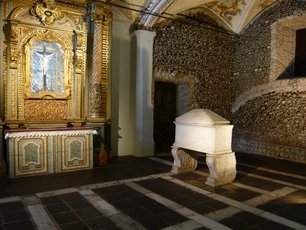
204 131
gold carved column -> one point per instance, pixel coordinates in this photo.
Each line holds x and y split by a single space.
11 73
99 80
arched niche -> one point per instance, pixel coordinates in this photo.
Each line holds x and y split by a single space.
48 65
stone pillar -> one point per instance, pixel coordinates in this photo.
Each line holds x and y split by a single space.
144 145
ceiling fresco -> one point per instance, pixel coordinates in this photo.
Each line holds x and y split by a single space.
232 14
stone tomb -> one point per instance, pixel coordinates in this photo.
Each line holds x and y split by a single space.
204 131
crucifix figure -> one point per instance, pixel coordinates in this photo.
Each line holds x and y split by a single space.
45 58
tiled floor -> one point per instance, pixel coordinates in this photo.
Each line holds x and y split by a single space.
140 193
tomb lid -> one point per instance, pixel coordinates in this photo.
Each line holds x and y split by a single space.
201 117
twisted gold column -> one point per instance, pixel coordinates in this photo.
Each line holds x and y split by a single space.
98 82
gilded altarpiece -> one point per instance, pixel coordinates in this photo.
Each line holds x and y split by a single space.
45 61
56 79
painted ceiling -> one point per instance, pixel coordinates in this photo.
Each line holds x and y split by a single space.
232 14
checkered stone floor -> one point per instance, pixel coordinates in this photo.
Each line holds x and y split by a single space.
263 196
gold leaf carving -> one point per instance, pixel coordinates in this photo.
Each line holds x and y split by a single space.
14 32
80 40
265 3
46 12
45 110
13 93
14 58
97 100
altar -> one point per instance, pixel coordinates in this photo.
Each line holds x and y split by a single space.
56 80
49 150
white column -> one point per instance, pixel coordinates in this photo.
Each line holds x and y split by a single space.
144 144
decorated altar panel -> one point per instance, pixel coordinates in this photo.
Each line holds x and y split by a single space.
41 151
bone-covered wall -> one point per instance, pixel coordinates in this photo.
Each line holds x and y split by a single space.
182 47
239 77
269 111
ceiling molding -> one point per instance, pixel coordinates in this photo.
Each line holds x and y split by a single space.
233 14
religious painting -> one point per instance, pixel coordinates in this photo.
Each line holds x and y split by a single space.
46 67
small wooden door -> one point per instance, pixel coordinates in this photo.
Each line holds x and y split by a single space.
164 116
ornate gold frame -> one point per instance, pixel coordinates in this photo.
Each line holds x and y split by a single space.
86 76
48 36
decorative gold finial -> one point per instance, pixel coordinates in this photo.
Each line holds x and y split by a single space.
46 12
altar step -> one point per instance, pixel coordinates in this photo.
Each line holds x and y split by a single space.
260 198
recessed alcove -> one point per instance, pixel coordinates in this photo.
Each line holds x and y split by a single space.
172 96
287 46
300 51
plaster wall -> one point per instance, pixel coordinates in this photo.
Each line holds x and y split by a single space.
123 86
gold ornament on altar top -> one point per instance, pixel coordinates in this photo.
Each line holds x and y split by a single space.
46 12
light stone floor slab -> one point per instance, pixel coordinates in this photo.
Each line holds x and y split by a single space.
10 199
118 182
56 192
41 217
122 220
190 225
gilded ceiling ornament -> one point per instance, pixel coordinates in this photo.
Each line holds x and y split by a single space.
46 12
230 8
265 3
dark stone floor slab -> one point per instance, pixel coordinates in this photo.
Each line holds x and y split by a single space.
23 224
153 222
258 183
137 212
271 163
11 206
88 213
65 218
79 204
101 223
17 215
75 226
139 207
57 208
270 225
117 169
272 175
51 200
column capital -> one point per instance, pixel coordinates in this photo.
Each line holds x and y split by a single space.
145 33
